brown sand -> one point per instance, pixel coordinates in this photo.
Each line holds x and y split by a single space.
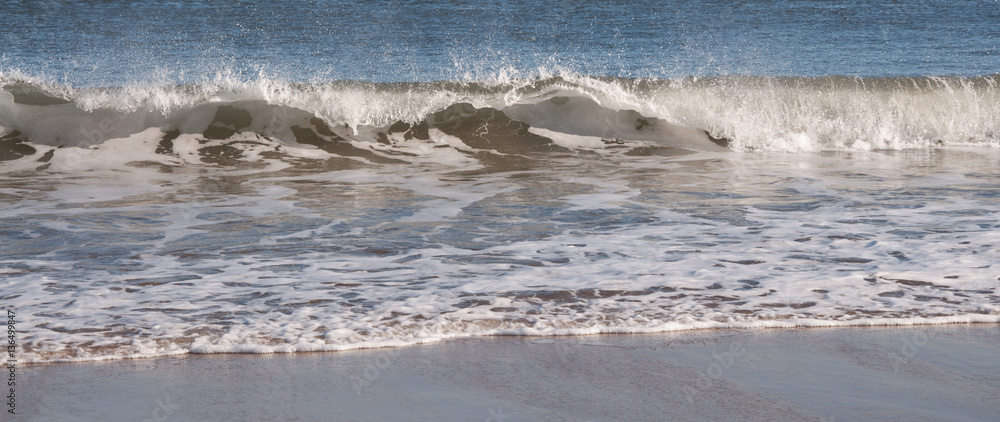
929 373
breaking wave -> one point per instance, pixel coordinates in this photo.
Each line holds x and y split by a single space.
547 113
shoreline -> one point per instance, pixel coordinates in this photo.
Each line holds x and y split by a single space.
666 328
927 372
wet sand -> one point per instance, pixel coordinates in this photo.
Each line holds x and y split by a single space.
949 372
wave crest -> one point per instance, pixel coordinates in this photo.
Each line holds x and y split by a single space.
510 115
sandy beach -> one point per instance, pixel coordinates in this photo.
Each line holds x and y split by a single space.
835 374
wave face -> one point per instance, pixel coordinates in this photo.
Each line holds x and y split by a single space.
550 113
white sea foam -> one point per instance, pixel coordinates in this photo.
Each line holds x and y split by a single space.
133 261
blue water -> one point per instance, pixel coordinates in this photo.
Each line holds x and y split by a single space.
117 43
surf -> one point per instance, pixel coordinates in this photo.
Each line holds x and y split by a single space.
545 114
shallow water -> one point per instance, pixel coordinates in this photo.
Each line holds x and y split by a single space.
156 259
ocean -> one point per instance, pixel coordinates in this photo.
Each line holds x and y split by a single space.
245 177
